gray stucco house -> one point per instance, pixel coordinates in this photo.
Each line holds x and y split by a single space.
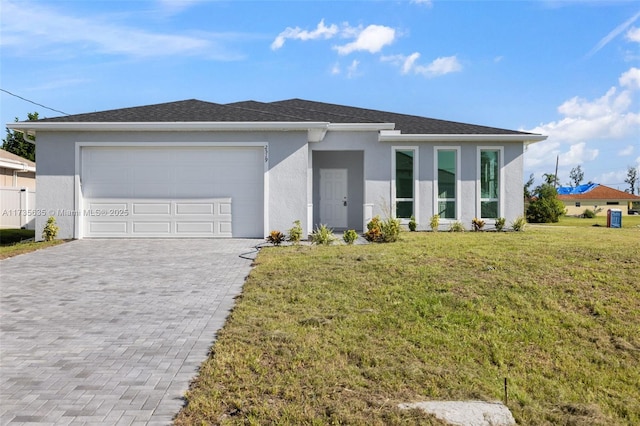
201 169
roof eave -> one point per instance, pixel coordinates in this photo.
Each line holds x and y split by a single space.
399 137
15 165
361 127
165 126
315 129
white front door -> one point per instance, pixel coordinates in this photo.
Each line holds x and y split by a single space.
333 197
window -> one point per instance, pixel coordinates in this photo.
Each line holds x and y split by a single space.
404 167
447 182
577 203
489 181
613 203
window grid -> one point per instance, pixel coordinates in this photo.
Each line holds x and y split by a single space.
446 182
404 195
490 182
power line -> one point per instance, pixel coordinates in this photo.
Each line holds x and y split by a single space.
35 103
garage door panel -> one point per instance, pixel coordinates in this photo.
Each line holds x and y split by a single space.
97 228
152 228
194 208
151 208
195 227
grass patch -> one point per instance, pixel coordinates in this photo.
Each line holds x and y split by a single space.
598 221
325 335
11 242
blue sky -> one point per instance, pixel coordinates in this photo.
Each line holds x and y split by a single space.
568 69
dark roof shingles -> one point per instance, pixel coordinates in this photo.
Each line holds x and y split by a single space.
292 110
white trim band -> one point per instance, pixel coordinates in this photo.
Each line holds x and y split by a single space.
393 136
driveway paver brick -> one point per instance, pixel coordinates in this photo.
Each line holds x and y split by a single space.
111 331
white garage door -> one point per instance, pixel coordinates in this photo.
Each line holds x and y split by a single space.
172 191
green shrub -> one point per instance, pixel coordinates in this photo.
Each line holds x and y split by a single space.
456 226
391 230
477 224
322 235
500 222
588 214
11 236
435 221
276 238
519 223
413 225
546 208
374 230
50 230
350 236
295 233
383 231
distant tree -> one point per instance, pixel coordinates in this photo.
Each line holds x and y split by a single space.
546 208
527 187
549 178
632 179
576 175
14 142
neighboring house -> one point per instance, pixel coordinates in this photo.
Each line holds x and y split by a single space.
200 169
16 172
598 198
17 191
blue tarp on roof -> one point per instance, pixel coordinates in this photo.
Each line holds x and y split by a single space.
576 190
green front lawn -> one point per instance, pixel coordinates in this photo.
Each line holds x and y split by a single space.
325 335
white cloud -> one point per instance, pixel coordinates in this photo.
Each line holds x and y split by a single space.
64 35
409 63
626 151
352 70
614 179
321 31
609 117
422 2
611 102
578 154
371 39
540 154
630 79
613 34
633 34
438 67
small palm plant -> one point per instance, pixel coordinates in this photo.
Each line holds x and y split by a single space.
323 235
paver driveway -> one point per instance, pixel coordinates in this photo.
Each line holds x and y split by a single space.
111 331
